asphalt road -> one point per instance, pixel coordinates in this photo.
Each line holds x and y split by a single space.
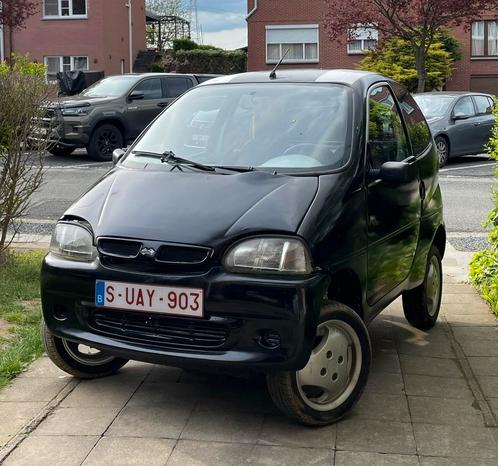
466 183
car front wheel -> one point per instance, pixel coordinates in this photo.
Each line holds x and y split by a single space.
422 304
79 360
105 139
443 151
333 380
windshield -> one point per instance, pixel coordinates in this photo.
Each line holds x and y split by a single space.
268 126
434 105
114 86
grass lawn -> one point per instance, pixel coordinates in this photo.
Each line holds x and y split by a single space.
20 313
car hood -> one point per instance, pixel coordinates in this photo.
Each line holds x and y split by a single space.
194 207
80 100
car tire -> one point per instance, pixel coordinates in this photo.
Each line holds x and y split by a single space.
443 150
422 304
67 356
104 140
60 151
340 363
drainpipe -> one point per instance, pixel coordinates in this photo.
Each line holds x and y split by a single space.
130 31
2 51
253 10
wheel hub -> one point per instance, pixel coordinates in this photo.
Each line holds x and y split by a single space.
333 368
433 288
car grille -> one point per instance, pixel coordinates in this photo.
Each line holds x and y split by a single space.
153 257
161 331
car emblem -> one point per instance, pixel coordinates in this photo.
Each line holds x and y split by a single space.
148 252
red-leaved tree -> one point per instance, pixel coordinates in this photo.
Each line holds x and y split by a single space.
416 21
14 13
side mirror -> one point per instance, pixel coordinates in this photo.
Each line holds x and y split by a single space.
136 95
461 116
117 155
393 172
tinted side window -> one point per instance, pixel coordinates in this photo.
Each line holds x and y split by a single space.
151 89
386 135
177 86
464 107
483 104
418 129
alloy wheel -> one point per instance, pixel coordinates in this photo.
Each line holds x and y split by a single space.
107 141
442 151
85 354
433 286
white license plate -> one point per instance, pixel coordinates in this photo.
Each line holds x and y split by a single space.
187 302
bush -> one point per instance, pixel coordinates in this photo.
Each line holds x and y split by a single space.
484 265
395 58
209 61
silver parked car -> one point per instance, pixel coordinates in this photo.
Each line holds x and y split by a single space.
461 122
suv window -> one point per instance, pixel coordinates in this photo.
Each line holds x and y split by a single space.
484 104
464 106
418 129
151 89
176 86
386 136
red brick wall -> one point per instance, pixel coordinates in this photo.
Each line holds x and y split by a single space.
334 54
103 37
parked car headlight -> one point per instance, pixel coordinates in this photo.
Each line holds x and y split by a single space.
269 255
73 241
75 111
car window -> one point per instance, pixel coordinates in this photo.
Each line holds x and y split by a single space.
483 104
386 136
177 86
151 89
418 129
464 107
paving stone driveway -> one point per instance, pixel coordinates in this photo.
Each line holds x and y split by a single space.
432 399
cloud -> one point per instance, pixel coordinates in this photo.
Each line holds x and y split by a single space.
229 39
215 21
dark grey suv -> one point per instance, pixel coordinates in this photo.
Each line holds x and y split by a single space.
113 111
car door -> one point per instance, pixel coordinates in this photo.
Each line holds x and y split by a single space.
463 127
484 121
148 104
393 208
175 86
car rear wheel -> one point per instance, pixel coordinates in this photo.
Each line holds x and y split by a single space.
105 139
61 151
443 151
422 304
79 360
333 380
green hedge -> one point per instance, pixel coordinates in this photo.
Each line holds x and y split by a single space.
210 61
484 265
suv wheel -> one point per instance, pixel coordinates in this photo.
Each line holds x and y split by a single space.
333 380
422 304
105 139
61 151
79 360
443 151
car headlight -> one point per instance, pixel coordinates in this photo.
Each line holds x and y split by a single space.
75 111
269 255
73 241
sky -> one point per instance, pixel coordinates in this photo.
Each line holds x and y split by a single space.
223 22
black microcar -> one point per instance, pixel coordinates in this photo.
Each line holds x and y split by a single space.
260 223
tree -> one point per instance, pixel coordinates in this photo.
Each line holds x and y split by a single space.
13 15
416 21
175 27
394 58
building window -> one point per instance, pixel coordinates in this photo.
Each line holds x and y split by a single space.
64 8
66 63
299 43
362 39
485 39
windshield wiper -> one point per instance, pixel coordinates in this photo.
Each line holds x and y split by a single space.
171 158
235 169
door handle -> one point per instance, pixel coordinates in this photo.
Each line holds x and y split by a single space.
162 104
422 190
477 124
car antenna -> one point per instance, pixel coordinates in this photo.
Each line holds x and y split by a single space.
273 74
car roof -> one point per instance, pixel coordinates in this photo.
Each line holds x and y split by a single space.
144 75
452 93
340 76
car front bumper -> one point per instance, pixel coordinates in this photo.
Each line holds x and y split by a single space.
240 312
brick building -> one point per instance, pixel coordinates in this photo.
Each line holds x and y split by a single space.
275 26
80 34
